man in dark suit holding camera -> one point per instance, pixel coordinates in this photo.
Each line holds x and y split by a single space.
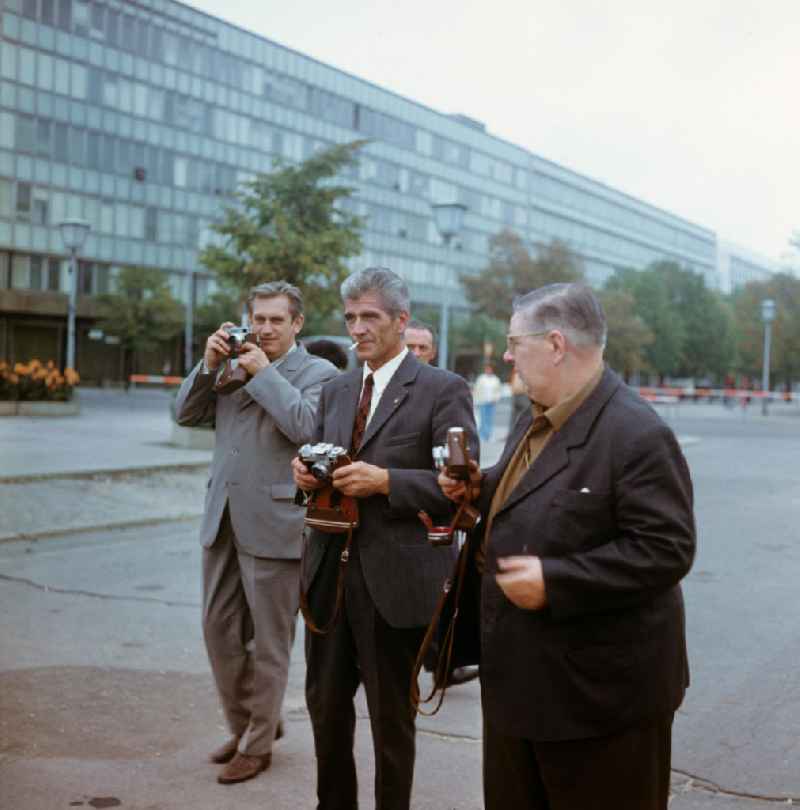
588 530
390 415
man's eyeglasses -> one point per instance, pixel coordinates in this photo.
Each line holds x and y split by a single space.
513 340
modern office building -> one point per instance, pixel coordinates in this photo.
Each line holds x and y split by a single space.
737 266
142 117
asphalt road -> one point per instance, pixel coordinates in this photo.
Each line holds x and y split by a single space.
105 692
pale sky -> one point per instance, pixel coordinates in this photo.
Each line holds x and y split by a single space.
691 105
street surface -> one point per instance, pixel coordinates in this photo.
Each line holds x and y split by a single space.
105 695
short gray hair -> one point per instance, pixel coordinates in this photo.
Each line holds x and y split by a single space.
422 327
572 309
387 284
272 289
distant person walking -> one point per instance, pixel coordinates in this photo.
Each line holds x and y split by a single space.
485 395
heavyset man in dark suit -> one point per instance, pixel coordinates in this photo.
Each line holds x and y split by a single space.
588 531
393 576
252 530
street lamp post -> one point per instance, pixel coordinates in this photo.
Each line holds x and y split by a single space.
767 316
449 218
73 234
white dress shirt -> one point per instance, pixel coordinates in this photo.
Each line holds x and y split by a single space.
380 379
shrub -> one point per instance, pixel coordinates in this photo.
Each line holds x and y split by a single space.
36 381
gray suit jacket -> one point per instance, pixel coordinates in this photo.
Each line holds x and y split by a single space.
259 428
403 572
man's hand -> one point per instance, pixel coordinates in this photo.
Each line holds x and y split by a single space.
454 490
360 479
217 347
302 477
252 358
522 581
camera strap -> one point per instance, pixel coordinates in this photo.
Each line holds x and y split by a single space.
442 670
305 608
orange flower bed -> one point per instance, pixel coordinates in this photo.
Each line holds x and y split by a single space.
35 381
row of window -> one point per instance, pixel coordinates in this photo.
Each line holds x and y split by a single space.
183 111
77 146
24 271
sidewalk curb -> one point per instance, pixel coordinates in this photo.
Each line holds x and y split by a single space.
101 527
108 472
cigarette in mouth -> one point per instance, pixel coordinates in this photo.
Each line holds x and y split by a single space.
353 346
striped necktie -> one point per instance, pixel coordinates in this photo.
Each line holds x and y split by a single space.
361 415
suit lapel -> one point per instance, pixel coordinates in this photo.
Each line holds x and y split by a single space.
347 404
391 399
555 454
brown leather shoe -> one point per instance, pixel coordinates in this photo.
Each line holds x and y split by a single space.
225 752
243 767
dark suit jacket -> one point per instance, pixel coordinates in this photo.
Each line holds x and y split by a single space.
403 572
608 651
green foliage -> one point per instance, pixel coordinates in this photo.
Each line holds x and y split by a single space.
220 306
628 335
512 271
691 325
290 225
142 313
785 353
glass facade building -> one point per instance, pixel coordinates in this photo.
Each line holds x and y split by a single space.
142 117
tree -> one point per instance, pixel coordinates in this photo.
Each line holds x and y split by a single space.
142 313
291 224
512 271
691 325
785 353
628 335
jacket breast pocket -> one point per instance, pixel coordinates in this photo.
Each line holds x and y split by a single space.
580 520
403 440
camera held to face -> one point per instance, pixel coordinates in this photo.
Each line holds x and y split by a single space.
233 376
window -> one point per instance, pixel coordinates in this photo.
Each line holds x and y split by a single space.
24 133
23 200
93 151
112 26
85 274
53 274
151 224
65 14
35 280
48 12
5 198
39 213
61 143
21 272
80 18
29 9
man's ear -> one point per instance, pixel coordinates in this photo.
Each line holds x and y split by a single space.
402 321
298 323
559 346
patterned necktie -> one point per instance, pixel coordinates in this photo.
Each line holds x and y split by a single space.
361 415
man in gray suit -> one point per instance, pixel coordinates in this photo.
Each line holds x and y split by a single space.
252 530
389 415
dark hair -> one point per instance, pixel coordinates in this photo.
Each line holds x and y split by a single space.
389 286
571 308
421 325
272 289
329 350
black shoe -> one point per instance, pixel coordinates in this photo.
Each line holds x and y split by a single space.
463 674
